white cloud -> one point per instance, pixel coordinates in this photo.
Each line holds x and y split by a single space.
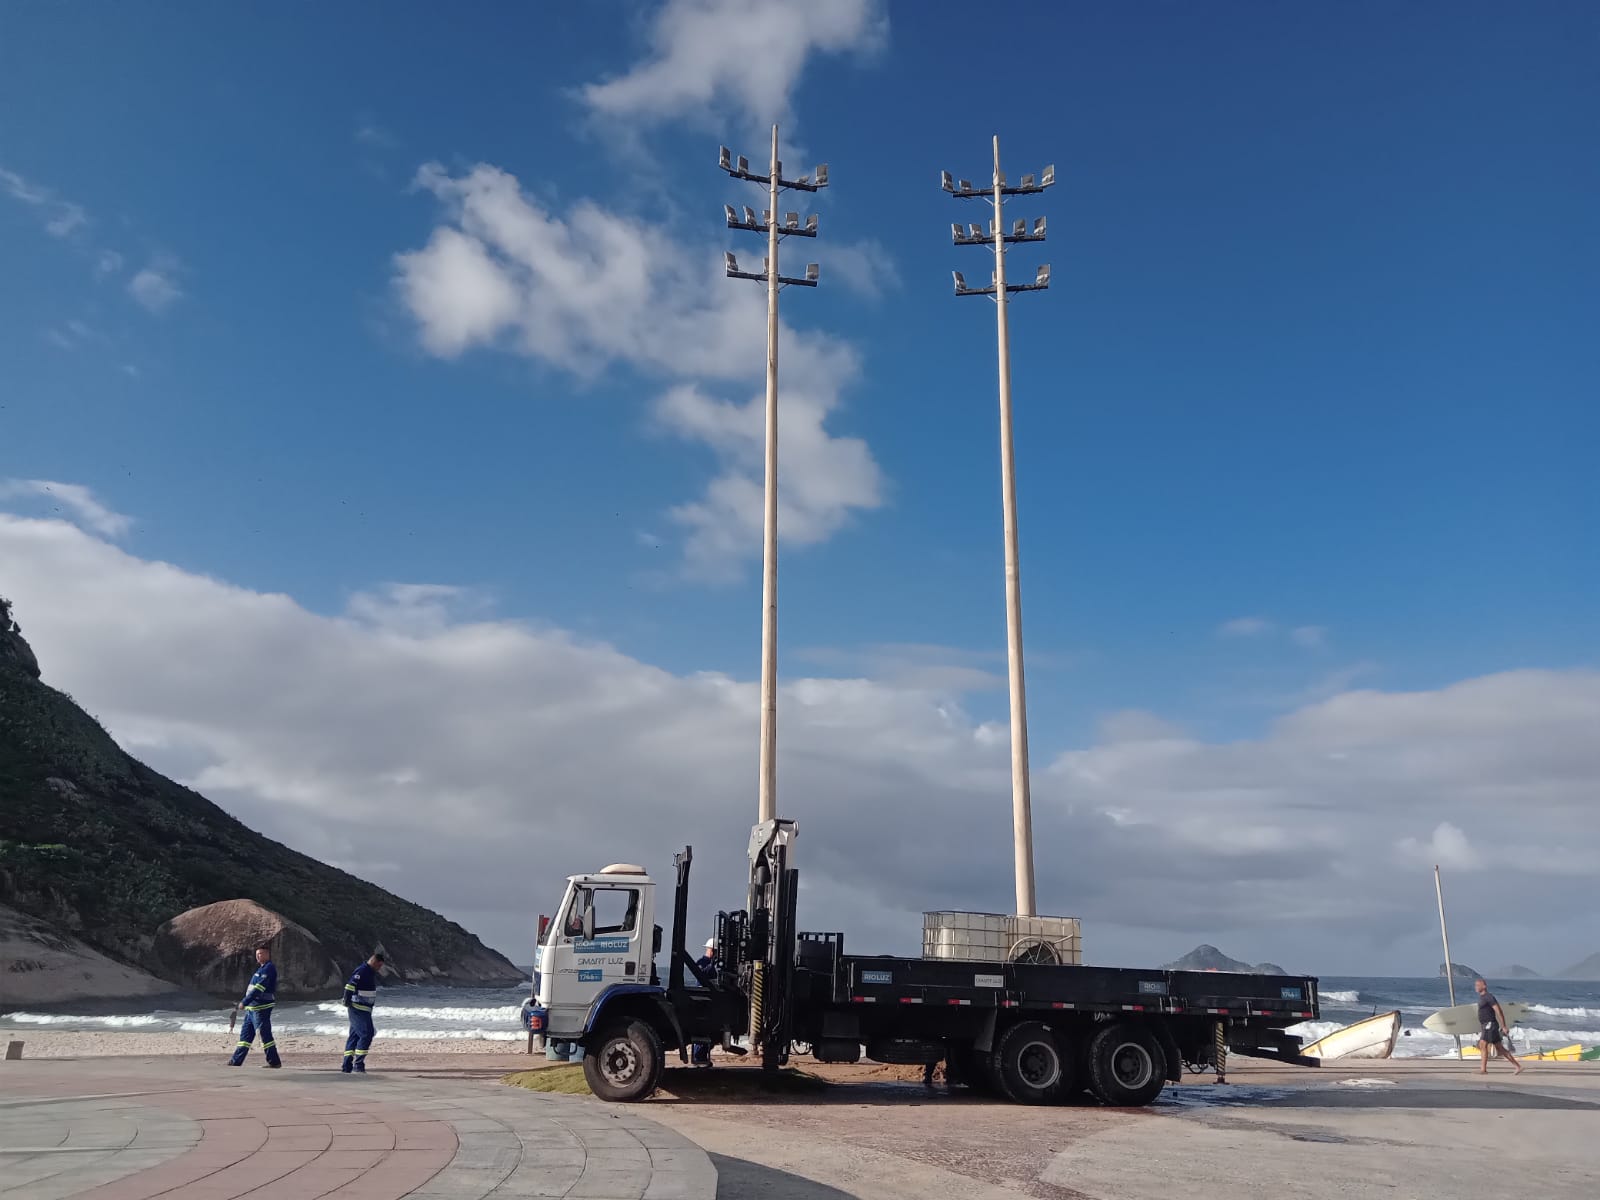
864 267
1448 847
370 133
1245 627
598 288
1312 637
62 218
945 670
75 501
156 286
486 758
734 56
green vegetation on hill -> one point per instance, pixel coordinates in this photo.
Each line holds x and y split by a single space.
95 842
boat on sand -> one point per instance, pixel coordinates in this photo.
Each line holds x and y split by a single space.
1371 1038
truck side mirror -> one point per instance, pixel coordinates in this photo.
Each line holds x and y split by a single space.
588 923
655 941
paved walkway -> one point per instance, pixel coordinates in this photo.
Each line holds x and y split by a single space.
181 1129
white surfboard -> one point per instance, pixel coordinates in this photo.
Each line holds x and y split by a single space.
1462 1020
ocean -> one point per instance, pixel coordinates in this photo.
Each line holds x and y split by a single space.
416 1011
1562 1012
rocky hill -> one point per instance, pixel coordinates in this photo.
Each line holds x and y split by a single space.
1589 968
99 847
1459 970
1209 958
1514 971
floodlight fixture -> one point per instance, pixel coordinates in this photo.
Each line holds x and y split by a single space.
725 158
945 181
804 182
822 176
749 216
965 185
811 224
1000 178
744 165
813 271
766 217
961 280
977 233
1027 183
730 262
956 232
1019 227
1042 277
733 217
1048 177
791 220
1038 228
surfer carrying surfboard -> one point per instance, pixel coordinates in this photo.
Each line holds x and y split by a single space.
1491 1026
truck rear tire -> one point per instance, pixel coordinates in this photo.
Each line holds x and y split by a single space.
625 1062
1127 1065
1033 1065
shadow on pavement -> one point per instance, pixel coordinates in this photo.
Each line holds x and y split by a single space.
741 1180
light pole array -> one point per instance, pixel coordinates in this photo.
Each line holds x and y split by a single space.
997 237
775 228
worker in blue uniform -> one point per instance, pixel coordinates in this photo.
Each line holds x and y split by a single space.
259 996
700 1052
360 994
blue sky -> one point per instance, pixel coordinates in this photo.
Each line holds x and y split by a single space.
1318 359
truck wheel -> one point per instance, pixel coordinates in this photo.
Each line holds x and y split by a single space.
624 1063
1032 1065
1127 1066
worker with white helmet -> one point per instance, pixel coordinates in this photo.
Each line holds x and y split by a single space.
700 1052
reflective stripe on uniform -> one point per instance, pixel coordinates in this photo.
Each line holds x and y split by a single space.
362 1007
259 1007
361 1053
348 1053
268 1045
242 1044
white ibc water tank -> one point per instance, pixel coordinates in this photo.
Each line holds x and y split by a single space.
1001 937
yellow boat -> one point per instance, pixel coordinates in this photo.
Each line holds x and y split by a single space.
1572 1053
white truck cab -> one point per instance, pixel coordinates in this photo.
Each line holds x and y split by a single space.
603 939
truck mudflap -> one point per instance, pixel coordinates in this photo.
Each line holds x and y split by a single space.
1268 1043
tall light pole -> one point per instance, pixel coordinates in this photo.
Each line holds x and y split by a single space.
997 237
775 228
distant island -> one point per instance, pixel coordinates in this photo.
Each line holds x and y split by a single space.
1209 958
114 880
1460 971
1589 968
1514 971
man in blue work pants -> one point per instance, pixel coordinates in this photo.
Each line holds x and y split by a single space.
360 994
260 994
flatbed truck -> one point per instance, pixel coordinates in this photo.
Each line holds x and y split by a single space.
1034 1033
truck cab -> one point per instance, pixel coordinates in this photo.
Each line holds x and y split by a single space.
602 942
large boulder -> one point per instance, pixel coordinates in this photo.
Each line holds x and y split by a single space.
212 949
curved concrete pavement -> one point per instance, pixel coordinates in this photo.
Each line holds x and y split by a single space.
183 1129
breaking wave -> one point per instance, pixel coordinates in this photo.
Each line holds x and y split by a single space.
108 1022
1351 997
